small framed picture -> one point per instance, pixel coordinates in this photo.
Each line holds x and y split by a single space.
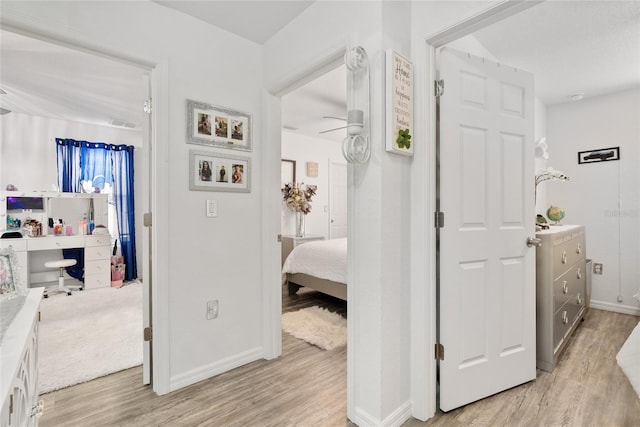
10 285
287 172
215 172
399 104
218 127
601 155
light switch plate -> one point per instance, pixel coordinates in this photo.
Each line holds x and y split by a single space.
212 208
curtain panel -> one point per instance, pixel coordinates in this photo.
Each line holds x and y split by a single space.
103 163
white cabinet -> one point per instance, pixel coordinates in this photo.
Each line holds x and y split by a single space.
97 261
19 355
560 290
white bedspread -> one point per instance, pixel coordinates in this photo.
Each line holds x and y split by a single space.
629 358
325 259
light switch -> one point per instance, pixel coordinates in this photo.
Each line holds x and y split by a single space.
212 208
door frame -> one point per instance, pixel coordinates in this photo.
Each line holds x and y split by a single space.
158 147
423 318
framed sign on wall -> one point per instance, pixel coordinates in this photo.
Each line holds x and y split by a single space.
399 103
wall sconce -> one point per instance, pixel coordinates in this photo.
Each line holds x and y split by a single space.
356 147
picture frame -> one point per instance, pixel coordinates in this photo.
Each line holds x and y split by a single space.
600 155
210 171
287 172
218 127
399 104
10 284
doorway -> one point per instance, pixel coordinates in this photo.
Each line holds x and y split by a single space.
63 121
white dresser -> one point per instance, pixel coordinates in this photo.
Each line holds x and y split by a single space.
19 367
560 290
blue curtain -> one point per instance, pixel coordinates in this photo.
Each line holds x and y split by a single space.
83 160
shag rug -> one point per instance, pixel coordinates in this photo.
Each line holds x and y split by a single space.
89 334
317 326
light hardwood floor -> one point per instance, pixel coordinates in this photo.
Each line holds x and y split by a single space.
307 387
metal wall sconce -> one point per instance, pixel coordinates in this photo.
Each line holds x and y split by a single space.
356 146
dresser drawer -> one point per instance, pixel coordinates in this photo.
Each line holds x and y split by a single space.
98 240
47 243
97 267
568 251
92 281
568 286
97 252
18 245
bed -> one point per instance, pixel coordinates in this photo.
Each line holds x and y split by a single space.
319 265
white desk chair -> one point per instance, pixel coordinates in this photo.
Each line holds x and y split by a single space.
61 264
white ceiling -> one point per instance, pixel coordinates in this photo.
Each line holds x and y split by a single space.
591 47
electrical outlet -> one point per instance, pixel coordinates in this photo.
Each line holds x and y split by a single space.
212 309
620 298
597 268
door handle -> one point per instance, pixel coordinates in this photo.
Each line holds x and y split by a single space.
533 241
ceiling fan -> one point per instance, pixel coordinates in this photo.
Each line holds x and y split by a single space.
334 129
3 111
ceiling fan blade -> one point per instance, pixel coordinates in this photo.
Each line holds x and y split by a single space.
4 111
331 130
334 117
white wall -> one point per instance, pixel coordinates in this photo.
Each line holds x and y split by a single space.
602 196
28 147
303 149
206 258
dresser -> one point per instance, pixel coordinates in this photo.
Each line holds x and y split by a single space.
560 290
19 368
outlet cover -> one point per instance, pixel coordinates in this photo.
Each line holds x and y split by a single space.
212 309
597 268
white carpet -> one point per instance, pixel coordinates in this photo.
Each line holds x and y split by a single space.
88 335
629 358
317 326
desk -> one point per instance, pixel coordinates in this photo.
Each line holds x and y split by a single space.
97 257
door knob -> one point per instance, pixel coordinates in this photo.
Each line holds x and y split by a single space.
533 241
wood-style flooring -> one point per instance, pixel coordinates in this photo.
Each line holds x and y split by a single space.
307 387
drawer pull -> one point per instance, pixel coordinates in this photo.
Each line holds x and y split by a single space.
564 257
565 317
578 249
579 300
565 288
579 273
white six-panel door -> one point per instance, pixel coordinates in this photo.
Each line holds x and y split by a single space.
487 271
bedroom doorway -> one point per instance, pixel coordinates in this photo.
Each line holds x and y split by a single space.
83 61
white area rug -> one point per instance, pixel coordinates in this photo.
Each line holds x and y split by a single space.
629 358
88 335
317 326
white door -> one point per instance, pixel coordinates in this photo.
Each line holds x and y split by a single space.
487 271
338 201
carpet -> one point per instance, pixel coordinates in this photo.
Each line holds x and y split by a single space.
88 335
317 326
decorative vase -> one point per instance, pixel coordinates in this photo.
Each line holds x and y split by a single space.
299 224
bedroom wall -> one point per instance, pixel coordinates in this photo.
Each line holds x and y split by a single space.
206 258
27 146
605 197
303 149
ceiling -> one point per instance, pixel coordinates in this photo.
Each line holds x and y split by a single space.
590 47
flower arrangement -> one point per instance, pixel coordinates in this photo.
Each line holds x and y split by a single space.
550 174
298 196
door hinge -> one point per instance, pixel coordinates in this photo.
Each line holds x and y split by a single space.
147 219
148 333
438 86
438 220
439 352
147 106
279 238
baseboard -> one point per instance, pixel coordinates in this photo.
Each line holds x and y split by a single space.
213 369
616 308
395 419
